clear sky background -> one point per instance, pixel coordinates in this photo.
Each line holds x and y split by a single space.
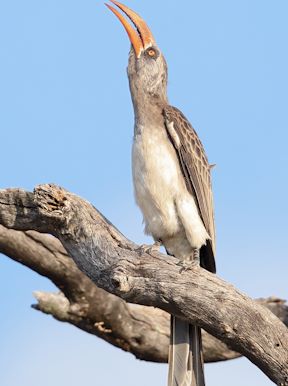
66 118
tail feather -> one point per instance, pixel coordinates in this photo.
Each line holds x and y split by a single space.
196 355
185 355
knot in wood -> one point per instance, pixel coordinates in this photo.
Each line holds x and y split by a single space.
50 197
121 282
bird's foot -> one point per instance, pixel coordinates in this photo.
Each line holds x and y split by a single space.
145 248
190 261
185 264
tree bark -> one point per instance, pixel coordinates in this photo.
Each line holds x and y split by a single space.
141 330
118 266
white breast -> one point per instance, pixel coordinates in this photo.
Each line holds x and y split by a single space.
169 211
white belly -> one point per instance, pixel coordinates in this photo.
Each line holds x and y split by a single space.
169 210
156 180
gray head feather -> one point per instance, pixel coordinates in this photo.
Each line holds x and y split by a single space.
147 78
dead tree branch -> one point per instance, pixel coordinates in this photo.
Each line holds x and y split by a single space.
118 266
141 330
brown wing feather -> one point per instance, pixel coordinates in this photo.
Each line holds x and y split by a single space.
196 171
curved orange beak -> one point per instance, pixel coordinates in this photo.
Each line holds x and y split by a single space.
141 37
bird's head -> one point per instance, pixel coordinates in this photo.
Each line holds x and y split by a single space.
147 69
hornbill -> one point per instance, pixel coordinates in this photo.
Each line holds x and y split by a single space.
172 184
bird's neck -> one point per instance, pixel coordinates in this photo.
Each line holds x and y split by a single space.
147 107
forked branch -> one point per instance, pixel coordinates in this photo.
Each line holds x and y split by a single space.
118 266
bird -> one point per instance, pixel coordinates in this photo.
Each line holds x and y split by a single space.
172 183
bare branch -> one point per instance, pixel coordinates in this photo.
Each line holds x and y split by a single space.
118 266
141 330
134 328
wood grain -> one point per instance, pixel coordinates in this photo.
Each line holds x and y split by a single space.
118 266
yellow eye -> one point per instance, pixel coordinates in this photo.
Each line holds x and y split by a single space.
151 52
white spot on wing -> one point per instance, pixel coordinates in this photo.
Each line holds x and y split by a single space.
173 134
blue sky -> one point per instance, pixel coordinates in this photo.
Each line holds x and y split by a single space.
64 95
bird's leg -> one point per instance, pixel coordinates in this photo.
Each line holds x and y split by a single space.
196 256
145 248
189 261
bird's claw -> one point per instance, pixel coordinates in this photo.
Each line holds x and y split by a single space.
146 248
185 265
190 261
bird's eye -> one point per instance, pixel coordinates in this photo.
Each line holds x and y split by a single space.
151 52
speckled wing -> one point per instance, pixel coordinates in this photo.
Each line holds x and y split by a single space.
196 171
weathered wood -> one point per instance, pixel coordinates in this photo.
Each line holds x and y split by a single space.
118 266
141 330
